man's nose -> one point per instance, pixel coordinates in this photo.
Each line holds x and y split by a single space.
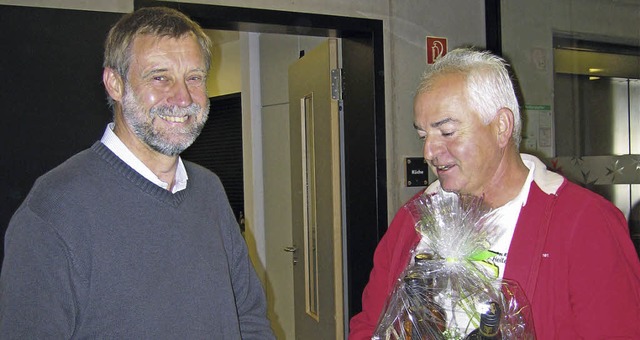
431 148
180 95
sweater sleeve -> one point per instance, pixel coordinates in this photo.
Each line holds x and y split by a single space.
36 289
389 260
604 274
248 291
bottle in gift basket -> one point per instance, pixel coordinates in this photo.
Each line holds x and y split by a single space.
435 282
420 322
489 328
423 264
425 319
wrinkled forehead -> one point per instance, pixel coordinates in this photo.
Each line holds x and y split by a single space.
144 44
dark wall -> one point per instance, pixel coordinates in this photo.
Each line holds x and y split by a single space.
219 148
53 101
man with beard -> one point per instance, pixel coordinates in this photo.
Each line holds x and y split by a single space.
125 239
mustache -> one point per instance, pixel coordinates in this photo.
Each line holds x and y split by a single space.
175 111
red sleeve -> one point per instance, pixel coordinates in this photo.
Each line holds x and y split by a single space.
604 274
389 260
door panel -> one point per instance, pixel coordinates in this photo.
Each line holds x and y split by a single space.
316 195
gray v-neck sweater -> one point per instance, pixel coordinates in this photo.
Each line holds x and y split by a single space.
98 251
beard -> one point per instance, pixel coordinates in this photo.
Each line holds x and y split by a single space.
167 141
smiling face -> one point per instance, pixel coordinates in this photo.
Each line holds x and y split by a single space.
460 149
164 100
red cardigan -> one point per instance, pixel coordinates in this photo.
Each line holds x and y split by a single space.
571 253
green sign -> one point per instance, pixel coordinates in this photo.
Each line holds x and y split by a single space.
538 107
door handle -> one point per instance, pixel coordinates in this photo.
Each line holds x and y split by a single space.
290 249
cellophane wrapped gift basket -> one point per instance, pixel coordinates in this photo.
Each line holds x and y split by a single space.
449 290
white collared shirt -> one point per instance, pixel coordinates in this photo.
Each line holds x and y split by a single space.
506 217
111 141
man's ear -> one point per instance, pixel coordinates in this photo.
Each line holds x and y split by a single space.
113 84
505 126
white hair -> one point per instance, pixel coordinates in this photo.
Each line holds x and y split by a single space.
489 85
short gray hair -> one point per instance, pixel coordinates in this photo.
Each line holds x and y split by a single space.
489 84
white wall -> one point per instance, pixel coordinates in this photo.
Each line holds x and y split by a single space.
409 22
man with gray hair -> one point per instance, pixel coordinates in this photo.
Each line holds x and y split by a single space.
125 240
568 248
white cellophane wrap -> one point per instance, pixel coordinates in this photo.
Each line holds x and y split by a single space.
445 296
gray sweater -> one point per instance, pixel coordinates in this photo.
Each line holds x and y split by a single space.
96 251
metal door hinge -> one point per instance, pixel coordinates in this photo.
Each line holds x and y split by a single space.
336 84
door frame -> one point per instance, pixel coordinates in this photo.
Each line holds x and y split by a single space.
365 191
